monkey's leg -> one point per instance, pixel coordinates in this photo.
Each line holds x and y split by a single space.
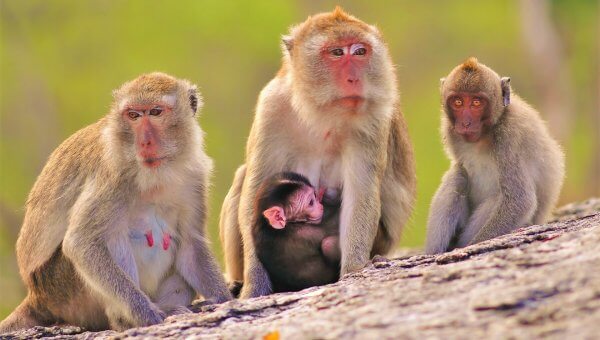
174 295
448 212
256 279
22 317
229 229
517 199
398 188
396 207
478 218
546 200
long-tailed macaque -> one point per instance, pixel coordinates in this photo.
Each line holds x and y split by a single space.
296 233
113 235
332 115
506 171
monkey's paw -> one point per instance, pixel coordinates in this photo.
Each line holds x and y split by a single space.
152 316
179 310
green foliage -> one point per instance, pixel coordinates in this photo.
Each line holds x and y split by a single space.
59 61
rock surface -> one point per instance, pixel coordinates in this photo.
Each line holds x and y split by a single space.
540 281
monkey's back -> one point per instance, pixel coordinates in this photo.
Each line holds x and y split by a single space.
540 153
55 191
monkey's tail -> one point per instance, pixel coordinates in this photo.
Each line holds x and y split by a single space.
22 317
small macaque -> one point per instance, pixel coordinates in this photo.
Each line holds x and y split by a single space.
296 236
114 231
506 170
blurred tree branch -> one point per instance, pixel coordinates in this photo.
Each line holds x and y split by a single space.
547 59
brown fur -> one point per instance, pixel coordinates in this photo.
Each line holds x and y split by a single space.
74 250
365 150
510 178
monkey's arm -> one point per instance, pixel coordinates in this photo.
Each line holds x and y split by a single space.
449 210
229 228
361 203
86 247
256 278
197 266
195 261
517 202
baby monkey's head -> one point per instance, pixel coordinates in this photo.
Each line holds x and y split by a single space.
289 197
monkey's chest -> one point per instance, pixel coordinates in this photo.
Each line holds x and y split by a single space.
484 178
152 237
324 171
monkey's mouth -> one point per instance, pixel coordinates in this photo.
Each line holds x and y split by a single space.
350 101
153 162
316 220
470 136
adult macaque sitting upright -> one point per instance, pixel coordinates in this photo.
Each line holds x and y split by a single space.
113 235
331 114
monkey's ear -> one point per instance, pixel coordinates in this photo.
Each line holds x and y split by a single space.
505 84
195 99
442 80
288 43
275 216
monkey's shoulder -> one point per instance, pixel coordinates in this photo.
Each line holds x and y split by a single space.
70 163
84 146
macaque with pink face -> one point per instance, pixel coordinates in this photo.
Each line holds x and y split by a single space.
296 233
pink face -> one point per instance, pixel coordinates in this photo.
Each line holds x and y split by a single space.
303 206
347 60
468 111
148 124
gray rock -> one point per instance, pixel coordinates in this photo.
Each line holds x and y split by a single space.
540 281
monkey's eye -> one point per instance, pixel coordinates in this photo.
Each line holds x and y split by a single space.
476 102
458 102
360 51
312 201
155 111
337 52
133 115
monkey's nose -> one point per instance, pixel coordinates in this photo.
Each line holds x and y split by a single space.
466 124
353 80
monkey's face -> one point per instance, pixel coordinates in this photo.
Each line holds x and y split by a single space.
148 123
153 121
339 65
346 62
469 113
304 206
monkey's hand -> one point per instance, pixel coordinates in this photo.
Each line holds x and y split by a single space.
147 313
257 282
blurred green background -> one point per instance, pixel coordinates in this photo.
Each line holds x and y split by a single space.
59 61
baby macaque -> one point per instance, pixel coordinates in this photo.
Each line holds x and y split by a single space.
296 234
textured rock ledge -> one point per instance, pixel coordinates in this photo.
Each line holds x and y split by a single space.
540 281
